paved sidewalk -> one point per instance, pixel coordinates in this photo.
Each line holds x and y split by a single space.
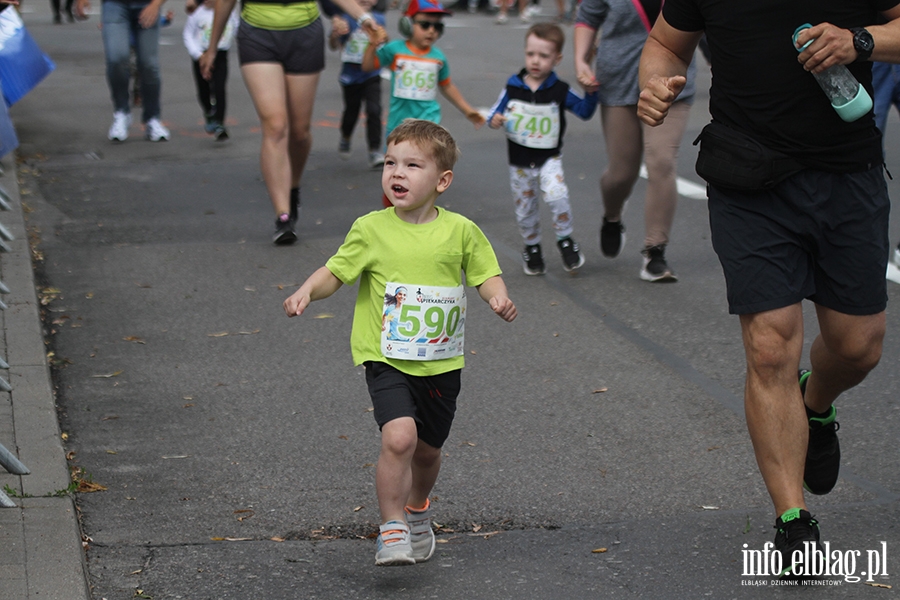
40 542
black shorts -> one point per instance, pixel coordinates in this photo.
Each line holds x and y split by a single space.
431 401
816 235
300 51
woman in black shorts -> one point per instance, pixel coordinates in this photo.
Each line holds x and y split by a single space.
282 51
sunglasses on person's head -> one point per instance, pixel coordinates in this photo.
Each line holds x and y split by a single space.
426 25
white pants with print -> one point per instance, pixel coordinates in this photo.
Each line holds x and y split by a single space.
548 181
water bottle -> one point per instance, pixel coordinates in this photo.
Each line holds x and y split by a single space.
848 98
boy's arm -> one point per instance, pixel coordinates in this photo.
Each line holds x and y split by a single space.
493 291
320 284
496 119
220 20
582 107
376 38
452 93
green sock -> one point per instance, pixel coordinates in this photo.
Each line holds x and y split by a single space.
790 515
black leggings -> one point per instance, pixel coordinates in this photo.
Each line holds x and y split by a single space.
212 93
370 91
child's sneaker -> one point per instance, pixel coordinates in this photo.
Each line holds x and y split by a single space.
421 536
376 159
572 258
534 260
796 530
344 148
393 547
220 133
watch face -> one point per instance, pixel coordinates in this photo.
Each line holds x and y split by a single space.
863 41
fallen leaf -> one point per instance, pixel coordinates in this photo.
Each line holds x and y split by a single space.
220 334
476 528
176 456
367 465
358 508
64 436
248 332
245 514
710 507
324 316
111 452
878 585
600 390
712 448
86 487
249 288
599 550
136 572
89 295
473 352
108 375
110 418
277 539
343 437
187 406
134 338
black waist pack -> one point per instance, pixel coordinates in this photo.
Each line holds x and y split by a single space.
733 160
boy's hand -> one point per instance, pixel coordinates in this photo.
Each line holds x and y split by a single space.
378 35
339 25
497 121
504 308
476 118
296 303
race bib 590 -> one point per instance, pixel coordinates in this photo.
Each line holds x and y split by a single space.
422 322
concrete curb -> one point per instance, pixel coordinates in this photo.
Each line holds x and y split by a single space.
42 556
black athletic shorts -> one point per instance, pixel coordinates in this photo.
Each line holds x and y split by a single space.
816 235
300 51
431 401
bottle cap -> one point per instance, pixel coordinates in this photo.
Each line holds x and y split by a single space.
794 37
856 108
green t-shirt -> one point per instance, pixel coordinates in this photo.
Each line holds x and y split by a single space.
382 248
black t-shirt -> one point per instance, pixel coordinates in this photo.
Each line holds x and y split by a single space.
759 86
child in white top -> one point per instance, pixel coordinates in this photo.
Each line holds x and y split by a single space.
211 94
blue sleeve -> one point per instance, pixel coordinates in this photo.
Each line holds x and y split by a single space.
499 106
582 107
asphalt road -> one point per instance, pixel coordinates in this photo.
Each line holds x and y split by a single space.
237 446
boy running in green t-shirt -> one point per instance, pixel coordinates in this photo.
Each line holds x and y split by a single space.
409 324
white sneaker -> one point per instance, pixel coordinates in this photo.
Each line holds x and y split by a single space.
118 131
376 160
501 19
421 536
155 131
393 546
533 10
897 257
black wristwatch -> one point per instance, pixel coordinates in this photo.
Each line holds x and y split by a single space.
862 43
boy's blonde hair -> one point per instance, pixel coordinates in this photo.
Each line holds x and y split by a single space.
550 32
430 137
